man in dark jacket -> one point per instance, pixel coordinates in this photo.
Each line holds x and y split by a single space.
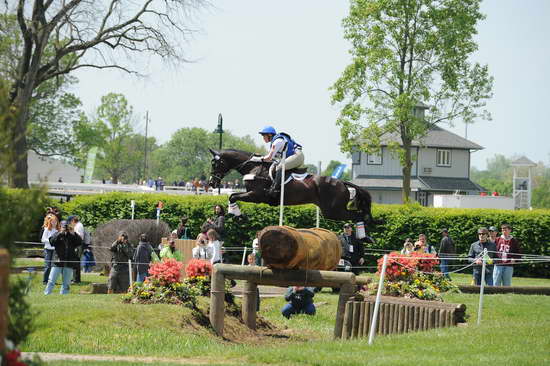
446 250
65 243
119 277
300 301
142 257
475 256
352 249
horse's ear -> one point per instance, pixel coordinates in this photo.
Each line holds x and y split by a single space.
213 152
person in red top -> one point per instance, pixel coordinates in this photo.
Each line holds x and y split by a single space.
508 250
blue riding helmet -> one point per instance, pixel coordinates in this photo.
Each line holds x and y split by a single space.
268 130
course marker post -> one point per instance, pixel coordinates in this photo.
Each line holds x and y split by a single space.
378 298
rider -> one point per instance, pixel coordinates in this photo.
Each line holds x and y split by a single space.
280 142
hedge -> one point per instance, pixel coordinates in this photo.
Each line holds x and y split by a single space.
532 228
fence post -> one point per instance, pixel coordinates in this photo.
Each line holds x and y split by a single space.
244 256
4 293
378 297
481 287
130 272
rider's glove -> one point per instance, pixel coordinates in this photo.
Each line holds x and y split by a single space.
257 159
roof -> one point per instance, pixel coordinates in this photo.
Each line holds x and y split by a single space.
523 161
422 183
450 184
436 137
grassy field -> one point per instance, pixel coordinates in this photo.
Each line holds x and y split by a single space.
515 331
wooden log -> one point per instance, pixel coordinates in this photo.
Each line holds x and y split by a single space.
431 318
348 315
450 318
4 294
355 320
288 248
345 292
387 323
249 304
362 319
368 318
217 298
395 314
401 322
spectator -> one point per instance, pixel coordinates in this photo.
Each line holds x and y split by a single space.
408 246
88 260
475 256
352 249
170 252
122 252
446 250
218 222
202 250
256 249
50 228
197 185
251 258
422 246
142 257
493 234
215 246
508 250
300 301
182 230
78 228
188 186
65 242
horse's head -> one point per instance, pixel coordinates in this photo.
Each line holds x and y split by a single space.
218 171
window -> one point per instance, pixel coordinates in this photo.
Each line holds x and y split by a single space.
443 157
356 158
374 159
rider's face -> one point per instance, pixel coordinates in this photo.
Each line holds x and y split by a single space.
266 138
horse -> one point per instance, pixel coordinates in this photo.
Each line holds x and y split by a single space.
331 195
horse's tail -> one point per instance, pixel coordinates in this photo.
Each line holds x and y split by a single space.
363 202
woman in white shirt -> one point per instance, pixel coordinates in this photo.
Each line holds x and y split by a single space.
215 245
51 226
202 250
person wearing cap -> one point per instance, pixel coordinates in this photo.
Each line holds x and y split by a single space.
279 143
446 250
65 243
122 251
475 256
352 249
493 234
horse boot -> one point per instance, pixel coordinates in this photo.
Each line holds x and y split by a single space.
275 189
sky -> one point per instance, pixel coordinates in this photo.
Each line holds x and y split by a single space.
264 62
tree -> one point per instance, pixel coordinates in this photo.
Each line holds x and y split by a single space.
96 34
113 124
407 52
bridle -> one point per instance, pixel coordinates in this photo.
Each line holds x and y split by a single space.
222 165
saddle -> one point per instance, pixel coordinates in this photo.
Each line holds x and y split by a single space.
296 173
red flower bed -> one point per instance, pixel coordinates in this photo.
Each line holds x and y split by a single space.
198 268
166 272
402 266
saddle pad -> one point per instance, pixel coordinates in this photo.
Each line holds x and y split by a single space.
296 177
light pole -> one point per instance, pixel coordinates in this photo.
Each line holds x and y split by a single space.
220 131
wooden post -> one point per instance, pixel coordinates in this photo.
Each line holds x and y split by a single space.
4 292
362 307
355 320
217 298
346 291
348 315
249 304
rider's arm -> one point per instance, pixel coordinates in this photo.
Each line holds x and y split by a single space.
276 147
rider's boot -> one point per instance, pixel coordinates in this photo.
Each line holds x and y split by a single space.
274 190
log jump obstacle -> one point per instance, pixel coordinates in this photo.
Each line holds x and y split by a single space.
398 315
256 275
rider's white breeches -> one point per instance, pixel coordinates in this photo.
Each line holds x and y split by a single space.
293 161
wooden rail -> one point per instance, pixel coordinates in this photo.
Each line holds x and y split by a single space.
398 315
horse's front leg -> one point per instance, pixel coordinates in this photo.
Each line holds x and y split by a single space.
250 196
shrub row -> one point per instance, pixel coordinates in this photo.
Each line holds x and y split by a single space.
532 228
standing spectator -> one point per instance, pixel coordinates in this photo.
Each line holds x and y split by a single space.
78 228
218 222
475 256
170 252
422 246
182 230
50 228
300 301
142 257
215 246
446 250
122 252
508 250
197 185
408 246
493 234
202 250
352 249
256 249
188 185
65 243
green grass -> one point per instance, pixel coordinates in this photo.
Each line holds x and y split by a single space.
514 331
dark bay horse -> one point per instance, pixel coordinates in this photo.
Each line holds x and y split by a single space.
330 195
